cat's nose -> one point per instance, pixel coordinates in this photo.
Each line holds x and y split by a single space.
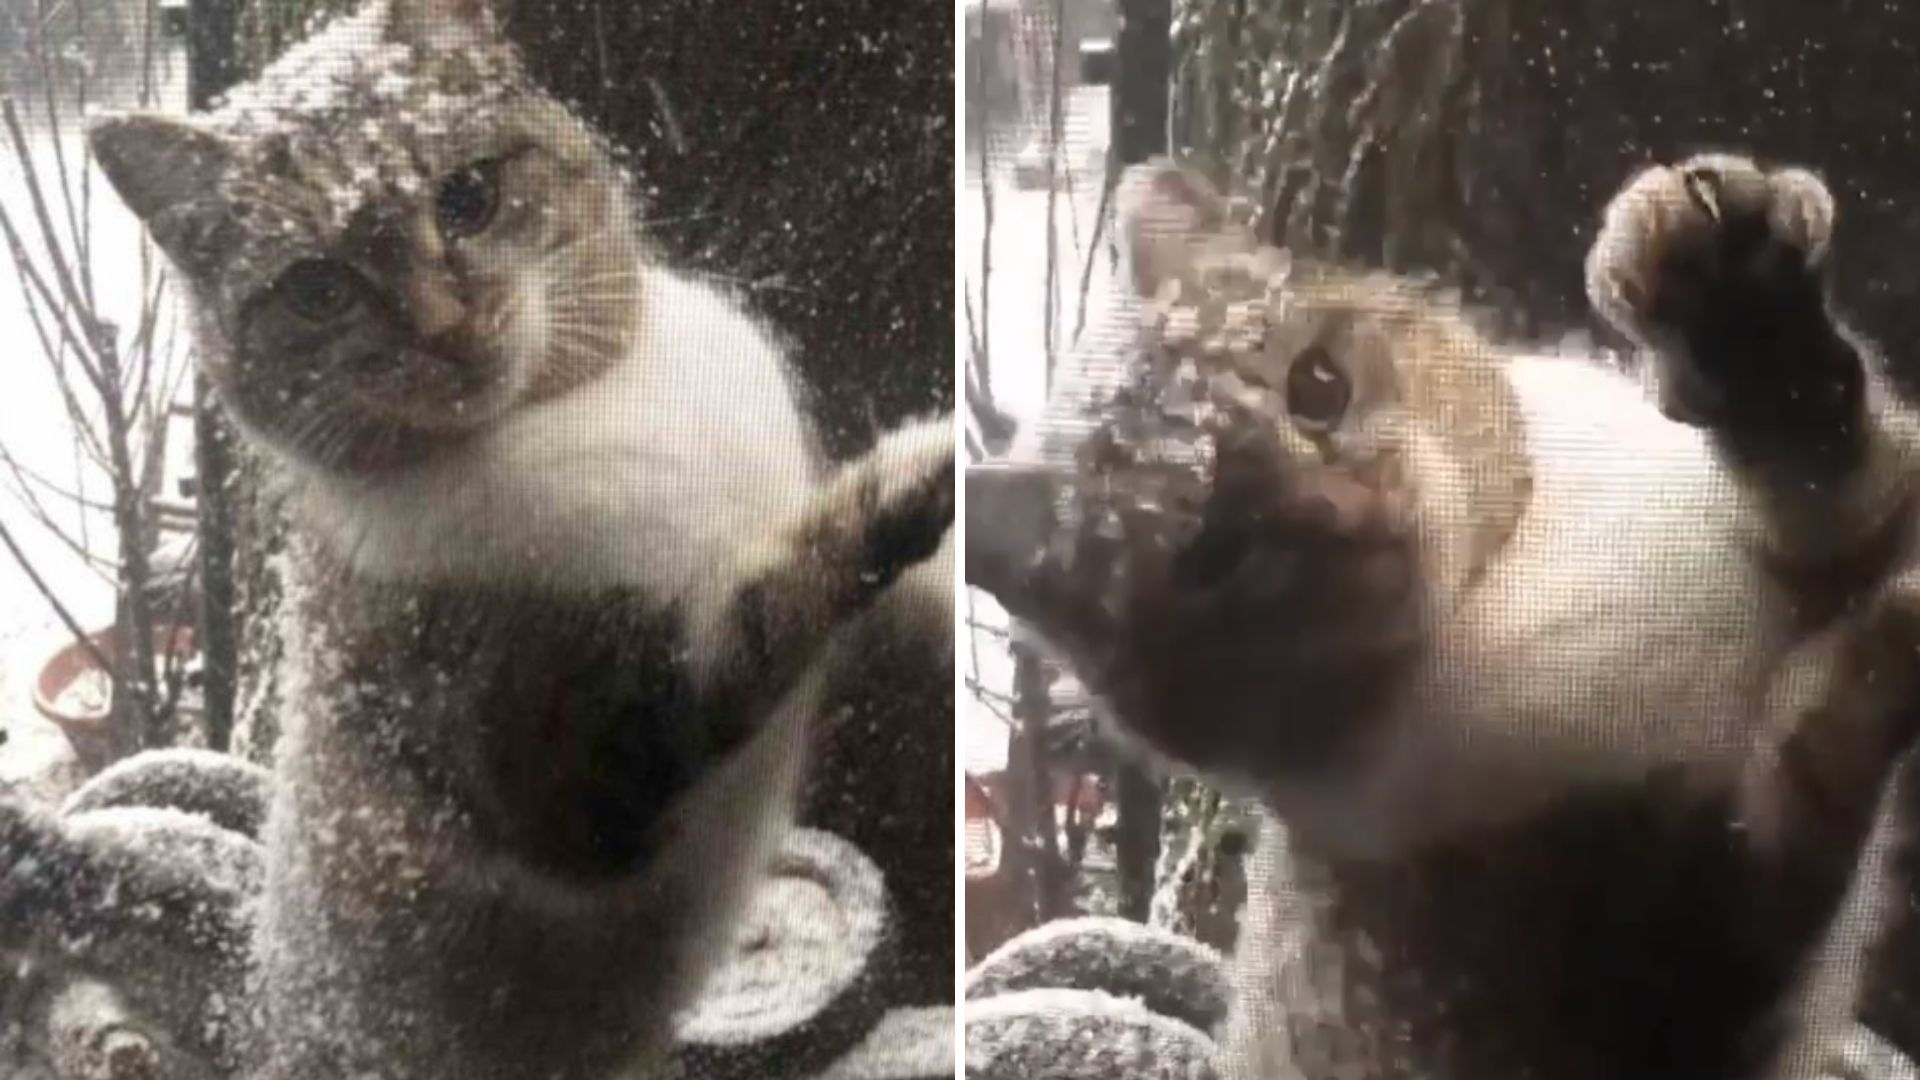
435 304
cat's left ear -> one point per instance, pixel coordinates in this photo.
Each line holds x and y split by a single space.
158 163
169 173
1169 214
445 24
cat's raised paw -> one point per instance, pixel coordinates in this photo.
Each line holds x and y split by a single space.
1715 266
905 490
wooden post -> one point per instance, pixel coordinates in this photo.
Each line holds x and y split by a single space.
1142 71
213 66
1142 74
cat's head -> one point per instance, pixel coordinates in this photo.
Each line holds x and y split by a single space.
1375 387
392 238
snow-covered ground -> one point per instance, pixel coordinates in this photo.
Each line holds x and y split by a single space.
1016 337
36 431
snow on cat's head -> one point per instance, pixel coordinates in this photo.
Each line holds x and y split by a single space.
392 237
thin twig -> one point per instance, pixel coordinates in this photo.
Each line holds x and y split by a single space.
50 86
52 352
142 344
988 694
24 493
997 429
59 609
49 485
997 632
983 340
1107 187
100 567
26 269
36 198
1054 125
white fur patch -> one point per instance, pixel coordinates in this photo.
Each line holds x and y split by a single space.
642 477
1624 625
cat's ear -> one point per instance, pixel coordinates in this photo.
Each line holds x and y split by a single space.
1168 213
168 172
156 163
444 24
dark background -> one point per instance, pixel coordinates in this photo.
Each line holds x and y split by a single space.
1585 94
809 142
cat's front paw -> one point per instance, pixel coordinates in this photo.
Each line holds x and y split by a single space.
1716 266
907 491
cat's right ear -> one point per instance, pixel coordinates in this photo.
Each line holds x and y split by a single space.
1168 214
445 25
165 170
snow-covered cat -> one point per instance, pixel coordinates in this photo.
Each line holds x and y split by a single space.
567 559
1577 708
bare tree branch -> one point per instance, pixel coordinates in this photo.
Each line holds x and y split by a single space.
988 694
59 609
52 352
56 256
49 86
24 265
1108 185
23 491
44 483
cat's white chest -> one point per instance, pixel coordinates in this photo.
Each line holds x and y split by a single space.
1630 598
1640 509
1625 626
644 478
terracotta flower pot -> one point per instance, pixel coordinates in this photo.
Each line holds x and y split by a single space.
76 693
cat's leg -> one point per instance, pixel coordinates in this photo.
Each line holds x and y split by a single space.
786 592
1776 884
1718 269
1808 799
1700 920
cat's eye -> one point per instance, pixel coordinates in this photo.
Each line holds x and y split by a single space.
467 200
318 290
1318 392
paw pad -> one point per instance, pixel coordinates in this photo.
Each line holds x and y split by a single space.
1680 229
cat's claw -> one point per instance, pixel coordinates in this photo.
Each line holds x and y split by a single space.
1716 266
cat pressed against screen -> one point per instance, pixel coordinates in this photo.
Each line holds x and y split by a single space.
566 558
1577 702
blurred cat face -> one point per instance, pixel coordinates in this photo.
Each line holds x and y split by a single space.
393 247
1362 398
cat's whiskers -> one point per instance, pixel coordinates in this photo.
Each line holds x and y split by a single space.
568 350
341 436
606 289
626 276
579 348
578 314
568 320
766 284
597 310
305 423
676 219
327 437
577 329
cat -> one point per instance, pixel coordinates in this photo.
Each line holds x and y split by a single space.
1572 697
566 562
